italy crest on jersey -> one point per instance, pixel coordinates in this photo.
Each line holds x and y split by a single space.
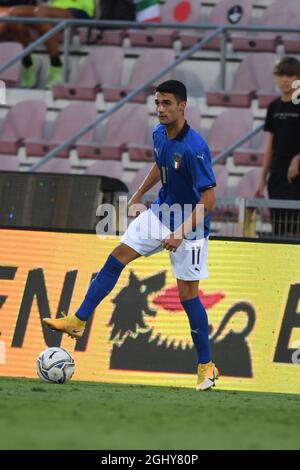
176 160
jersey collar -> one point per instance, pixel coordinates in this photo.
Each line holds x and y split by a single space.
182 133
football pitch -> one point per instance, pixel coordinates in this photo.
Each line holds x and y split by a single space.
89 415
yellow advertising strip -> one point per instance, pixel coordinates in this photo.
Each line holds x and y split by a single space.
139 334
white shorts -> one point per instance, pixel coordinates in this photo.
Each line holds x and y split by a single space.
144 235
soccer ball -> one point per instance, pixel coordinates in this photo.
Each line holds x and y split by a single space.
55 365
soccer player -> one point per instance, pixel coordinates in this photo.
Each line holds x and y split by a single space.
183 164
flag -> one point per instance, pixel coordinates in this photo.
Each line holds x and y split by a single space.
147 11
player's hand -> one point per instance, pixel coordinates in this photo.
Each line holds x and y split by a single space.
172 242
260 189
293 170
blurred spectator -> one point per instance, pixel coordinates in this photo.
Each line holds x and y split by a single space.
282 156
5 6
117 10
113 10
66 9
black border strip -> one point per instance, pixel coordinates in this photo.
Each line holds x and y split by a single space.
93 232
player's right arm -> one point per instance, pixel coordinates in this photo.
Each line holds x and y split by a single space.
151 179
266 167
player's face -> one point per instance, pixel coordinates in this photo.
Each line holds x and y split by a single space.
168 109
284 83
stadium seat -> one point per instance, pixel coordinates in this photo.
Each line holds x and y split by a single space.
193 117
248 157
147 65
226 12
248 183
10 76
279 13
221 175
102 65
102 37
254 74
227 128
125 128
9 163
25 120
70 119
172 11
247 187
109 168
252 154
195 88
220 212
139 178
291 42
55 165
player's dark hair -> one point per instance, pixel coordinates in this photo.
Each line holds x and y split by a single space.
289 66
175 87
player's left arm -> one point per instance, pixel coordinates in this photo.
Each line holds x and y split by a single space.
202 208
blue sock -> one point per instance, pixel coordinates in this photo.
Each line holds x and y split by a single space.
199 328
101 285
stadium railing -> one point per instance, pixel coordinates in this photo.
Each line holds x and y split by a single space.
257 218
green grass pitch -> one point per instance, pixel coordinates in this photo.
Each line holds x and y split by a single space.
89 415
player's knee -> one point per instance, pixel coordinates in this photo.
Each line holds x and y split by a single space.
124 254
185 295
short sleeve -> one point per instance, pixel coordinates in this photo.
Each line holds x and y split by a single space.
201 170
269 120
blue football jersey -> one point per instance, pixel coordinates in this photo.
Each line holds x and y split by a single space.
185 168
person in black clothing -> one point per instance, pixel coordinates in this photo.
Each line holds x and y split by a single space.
282 155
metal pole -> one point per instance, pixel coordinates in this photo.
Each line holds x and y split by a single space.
232 147
223 51
135 25
66 47
124 100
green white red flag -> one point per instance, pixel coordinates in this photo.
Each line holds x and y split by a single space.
147 11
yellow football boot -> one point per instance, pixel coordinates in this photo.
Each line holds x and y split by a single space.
70 324
207 374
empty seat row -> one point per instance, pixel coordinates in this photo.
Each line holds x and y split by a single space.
102 71
252 79
126 129
108 168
